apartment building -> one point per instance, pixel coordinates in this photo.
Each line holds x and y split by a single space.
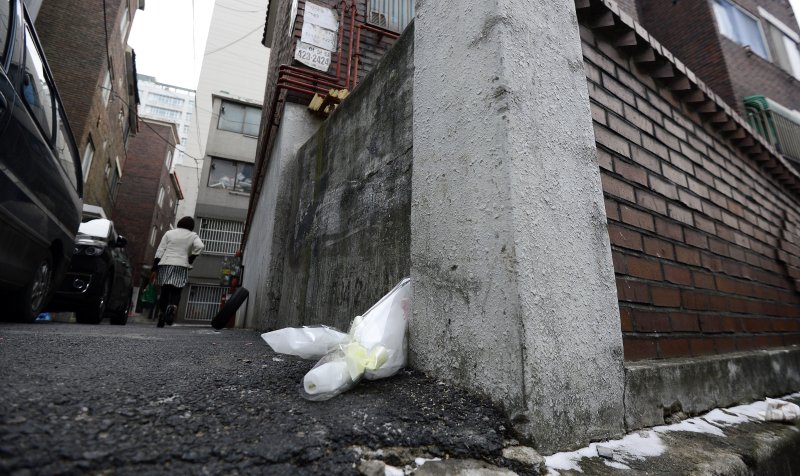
223 195
166 102
234 65
748 51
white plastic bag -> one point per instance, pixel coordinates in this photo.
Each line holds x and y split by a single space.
375 347
305 342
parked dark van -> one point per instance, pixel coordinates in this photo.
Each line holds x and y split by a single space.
40 172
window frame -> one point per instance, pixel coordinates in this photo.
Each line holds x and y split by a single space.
86 165
236 164
114 179
125 23
787 34
160 199
753 17
30 43
170 114
5 31
245 108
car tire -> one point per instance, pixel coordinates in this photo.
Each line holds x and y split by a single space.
36 294
95 313
229 310
121 318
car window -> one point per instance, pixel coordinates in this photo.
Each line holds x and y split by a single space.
64 150
5 11
35 88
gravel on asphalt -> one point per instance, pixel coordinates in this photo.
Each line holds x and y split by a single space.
136 399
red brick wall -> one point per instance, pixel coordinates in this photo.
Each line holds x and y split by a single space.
688 29
136 210
73 36
672 23
695 225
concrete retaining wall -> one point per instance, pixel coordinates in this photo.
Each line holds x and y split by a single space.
655 390
344 207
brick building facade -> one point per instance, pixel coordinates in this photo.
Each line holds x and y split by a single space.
148 193
694 32
702 212
86 46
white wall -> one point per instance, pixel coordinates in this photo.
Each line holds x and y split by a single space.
234 65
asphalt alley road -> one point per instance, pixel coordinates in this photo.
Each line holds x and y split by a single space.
136 399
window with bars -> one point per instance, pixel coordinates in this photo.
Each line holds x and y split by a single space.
221 237
204 302
393 15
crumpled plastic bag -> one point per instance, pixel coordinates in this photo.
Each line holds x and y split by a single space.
780 410
305 342
375 347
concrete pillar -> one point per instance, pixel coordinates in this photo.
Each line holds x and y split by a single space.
511 262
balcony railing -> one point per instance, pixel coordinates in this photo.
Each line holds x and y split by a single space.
779 125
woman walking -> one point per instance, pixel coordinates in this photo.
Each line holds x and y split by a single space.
175 254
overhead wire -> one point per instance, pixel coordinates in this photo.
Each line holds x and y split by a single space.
239 11
165 140
259 27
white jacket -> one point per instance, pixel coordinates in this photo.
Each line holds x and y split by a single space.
176 246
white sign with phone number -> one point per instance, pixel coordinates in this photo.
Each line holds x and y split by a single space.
312 56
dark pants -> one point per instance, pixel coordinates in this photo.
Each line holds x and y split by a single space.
170 296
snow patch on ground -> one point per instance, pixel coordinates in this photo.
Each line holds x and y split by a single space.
692 425
635 446
647 443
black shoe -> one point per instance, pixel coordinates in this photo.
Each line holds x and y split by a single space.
160 320
170 314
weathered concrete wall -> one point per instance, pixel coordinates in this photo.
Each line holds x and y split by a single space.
657 389
513 282
348 205
263 255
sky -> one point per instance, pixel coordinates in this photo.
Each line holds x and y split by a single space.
166 32
164 36
796 7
